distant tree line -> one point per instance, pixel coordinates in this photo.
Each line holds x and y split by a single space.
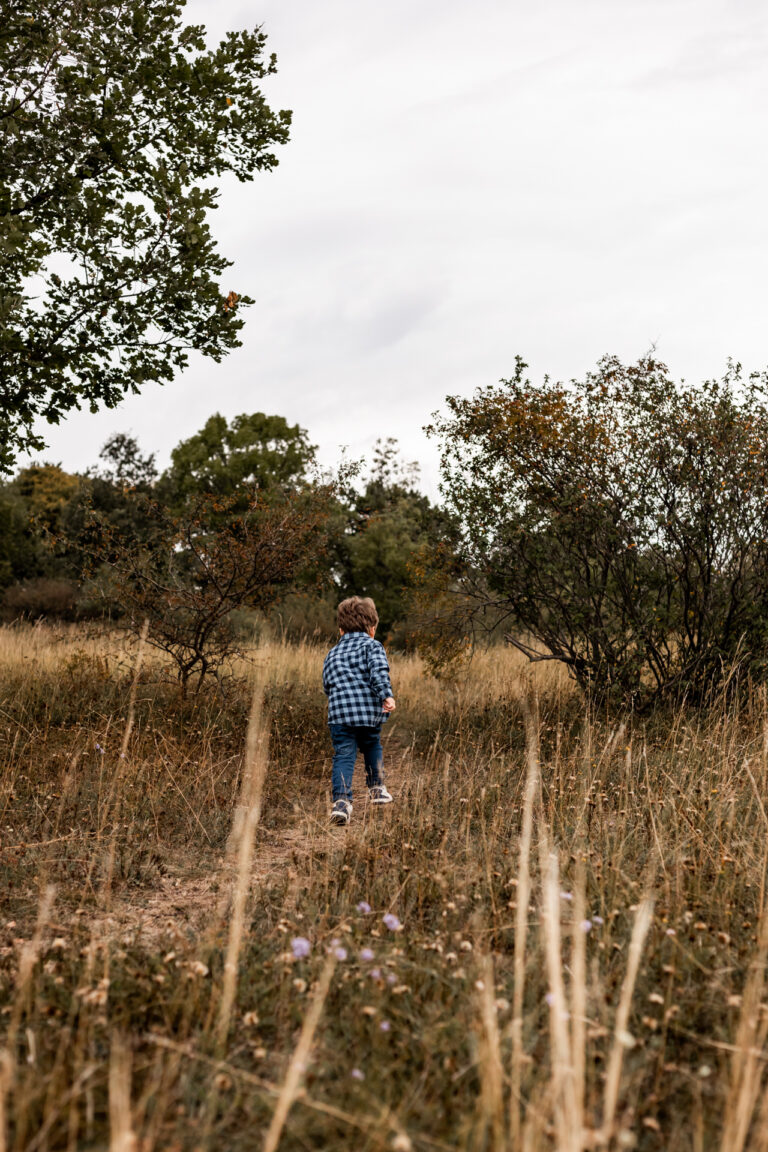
240 521
617 525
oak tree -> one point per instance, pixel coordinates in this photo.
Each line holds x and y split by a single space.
116 119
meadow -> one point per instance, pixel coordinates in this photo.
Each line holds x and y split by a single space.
553 939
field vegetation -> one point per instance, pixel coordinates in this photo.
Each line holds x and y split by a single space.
556 937
553 939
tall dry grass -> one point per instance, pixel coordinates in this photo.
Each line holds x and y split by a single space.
188 958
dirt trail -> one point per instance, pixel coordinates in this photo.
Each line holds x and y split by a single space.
184 906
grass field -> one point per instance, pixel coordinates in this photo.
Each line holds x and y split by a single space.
574 948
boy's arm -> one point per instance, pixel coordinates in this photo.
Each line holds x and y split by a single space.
326 684
378 671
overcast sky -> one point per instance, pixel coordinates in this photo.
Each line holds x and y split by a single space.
466 182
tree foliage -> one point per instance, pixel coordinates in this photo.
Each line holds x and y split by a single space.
110 492
45 491
33 505
115 117
619 524
256 449
122 464
387 525
19 546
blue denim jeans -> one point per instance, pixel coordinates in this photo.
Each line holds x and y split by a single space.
347 739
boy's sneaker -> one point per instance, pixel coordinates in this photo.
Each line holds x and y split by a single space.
341 812
380 795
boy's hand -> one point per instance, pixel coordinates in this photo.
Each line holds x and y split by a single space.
389 704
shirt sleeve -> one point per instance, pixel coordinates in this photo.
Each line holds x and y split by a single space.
326 685
378 670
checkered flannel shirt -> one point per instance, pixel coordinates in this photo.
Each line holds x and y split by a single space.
356 681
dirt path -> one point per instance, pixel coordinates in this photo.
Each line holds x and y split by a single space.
184 906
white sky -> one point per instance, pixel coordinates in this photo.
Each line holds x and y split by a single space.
559 179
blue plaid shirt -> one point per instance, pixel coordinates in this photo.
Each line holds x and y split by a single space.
356 681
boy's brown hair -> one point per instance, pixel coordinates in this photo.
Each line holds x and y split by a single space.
357 614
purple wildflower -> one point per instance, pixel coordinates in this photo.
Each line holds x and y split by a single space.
300 947
356 1074
391 921
366 954
385 1026
364 907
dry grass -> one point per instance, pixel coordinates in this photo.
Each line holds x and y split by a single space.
581 951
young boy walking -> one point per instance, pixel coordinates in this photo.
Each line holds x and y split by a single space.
356 682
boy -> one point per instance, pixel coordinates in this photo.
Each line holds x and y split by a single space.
356 682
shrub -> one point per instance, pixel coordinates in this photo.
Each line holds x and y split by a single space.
618 523
41 597
194 570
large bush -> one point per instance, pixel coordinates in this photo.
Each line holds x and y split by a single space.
618 524
41 597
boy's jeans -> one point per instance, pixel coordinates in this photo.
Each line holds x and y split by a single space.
347 739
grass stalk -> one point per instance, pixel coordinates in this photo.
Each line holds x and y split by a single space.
298 1063
121 1134
567 1119
246 819
621 1036
115 796
747 1059
27 961
6 1081
491 1065
532 785
578 990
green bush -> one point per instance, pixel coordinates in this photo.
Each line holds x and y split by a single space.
618 523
